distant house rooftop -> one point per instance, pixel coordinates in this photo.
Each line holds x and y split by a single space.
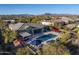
77 19
71 26
9 21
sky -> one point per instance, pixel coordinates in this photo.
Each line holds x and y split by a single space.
36 9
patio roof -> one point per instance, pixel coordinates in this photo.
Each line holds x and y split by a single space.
32 25
24 34
35 25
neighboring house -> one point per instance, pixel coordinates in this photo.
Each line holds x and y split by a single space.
65 19
61 20
71 26
9 21
46 23
77 20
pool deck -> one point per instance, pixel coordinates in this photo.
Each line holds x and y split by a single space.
51 32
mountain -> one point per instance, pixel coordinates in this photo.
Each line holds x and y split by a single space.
18 15
45 14
50 14
23 15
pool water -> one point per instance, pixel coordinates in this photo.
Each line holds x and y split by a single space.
43 38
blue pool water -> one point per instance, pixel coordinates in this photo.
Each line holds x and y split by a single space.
43 38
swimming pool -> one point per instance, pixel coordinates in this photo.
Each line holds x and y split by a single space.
42 39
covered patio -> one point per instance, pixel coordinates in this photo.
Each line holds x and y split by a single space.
36 28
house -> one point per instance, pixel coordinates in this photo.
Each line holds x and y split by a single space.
71 26
58 20
47 22
9 21
26 30
77 20
22 27
66 19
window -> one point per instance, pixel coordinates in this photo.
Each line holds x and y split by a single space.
37 31
26 38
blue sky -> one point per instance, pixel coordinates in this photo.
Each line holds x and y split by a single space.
39 8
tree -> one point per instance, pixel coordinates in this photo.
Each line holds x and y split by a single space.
54 49
2 24
64 37
23 51
77 32
9 35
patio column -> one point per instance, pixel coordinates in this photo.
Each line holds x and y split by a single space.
32 31
42 30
